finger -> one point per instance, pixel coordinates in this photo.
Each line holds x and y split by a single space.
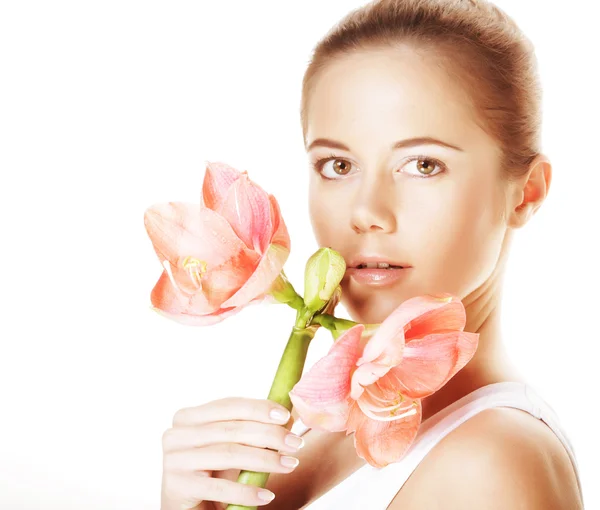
232 408
192 489
260 435
228 456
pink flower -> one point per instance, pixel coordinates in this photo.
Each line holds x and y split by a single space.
374 386
219 255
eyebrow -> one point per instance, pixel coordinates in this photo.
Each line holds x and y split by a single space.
410 142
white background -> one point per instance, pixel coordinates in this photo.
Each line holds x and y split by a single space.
108 107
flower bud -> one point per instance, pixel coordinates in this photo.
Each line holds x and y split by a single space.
324 272
333 301
282 290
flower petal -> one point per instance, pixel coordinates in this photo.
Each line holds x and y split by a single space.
218 178
430 362
355 418
178 230
365 375
451 316
223 281
382 442
262 278
247 208
191 310
322 396
199 320
387 343
280 235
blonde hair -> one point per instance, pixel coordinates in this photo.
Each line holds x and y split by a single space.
475 42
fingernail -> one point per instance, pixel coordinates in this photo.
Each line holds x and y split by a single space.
294 441
265 495
289 461
280 415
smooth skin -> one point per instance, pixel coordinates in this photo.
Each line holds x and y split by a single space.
450 214
208 445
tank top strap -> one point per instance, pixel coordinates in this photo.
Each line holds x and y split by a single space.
375 488
388 481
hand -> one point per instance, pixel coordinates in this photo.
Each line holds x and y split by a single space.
208 446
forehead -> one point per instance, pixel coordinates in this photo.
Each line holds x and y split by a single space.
386 95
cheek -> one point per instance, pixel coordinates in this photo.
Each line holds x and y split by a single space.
460 238
328 216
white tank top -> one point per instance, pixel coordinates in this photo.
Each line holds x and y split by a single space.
375 488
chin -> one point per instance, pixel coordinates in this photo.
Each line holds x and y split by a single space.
372 305
371 309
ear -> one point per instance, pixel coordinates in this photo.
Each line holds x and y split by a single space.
530 191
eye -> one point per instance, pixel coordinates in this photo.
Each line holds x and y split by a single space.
338 168
425 166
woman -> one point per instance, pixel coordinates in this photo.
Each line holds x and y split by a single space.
421 120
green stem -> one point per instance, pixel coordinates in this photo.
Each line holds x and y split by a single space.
336 325
288 374
297 303
333 323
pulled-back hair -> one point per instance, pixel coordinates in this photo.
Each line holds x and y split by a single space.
474 41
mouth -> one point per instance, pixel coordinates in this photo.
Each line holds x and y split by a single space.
377 265
376 270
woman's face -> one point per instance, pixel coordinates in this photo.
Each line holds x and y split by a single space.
439 211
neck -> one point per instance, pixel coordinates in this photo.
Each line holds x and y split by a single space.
490 363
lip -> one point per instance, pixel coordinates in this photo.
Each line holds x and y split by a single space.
377 277
373 257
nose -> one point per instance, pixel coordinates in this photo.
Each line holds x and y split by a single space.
373 209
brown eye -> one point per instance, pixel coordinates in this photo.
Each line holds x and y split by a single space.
333 168
340 166
425 166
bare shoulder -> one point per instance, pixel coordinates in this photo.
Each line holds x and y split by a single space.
500 458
